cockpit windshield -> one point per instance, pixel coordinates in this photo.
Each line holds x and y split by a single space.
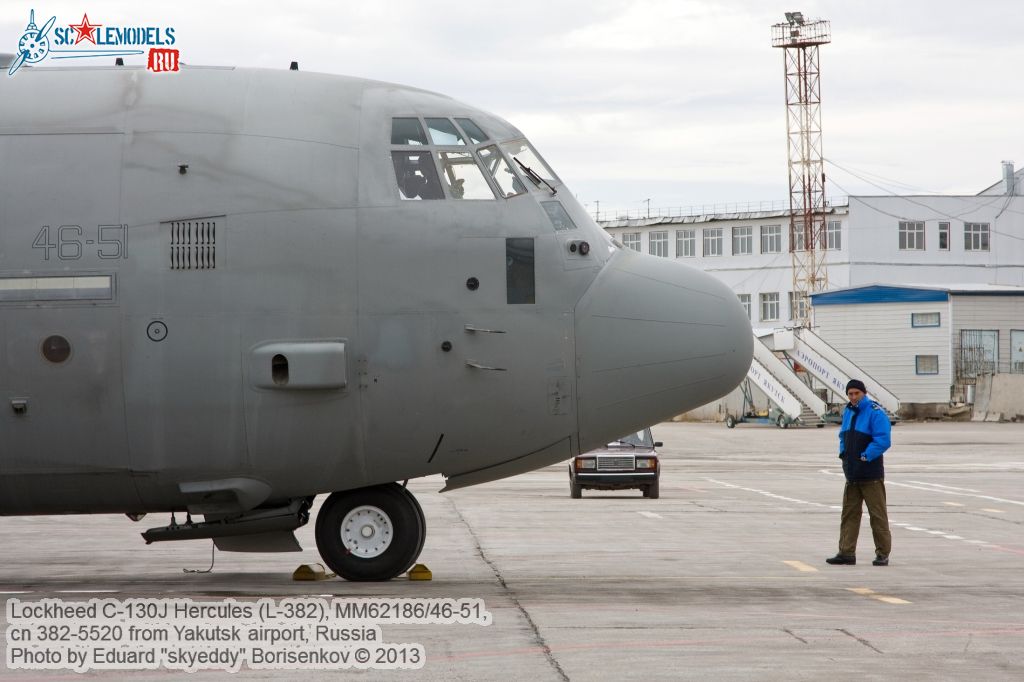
529 163
463 177
496 166
468 164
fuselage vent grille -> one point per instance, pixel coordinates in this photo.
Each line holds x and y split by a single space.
194 244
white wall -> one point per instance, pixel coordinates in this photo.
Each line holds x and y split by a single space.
877 258
878 337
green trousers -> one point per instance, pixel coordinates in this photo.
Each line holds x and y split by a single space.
856 494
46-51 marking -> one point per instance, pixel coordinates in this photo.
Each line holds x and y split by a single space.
67 241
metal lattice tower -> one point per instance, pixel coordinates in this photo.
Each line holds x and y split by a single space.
799 40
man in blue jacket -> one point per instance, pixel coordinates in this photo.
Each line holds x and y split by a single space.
863 438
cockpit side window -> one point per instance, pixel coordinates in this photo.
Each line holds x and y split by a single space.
407 131
529 164
463 176
560 219
416 175
443 132
475 134
495 166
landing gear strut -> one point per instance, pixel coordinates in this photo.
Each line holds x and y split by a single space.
370 534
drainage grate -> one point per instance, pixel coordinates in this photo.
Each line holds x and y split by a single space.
194 244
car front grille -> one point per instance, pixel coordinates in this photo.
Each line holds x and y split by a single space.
615 463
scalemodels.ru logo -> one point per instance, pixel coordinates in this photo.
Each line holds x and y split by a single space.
96 40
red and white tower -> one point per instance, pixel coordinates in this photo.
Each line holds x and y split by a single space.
799 40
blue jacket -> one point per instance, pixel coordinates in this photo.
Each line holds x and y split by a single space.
865 432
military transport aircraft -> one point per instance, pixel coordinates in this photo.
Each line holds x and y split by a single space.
226 291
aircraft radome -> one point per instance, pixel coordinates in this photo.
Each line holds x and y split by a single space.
226 291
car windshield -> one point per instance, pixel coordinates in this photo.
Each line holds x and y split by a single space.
640 439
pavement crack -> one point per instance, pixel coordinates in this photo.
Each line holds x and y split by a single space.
538 638
706 506
861 640
794 635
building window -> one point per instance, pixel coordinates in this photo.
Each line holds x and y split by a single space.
834 236
975 236
631 240
927 364
657 244
771 238
769 307
944 236
978 352
911 235
925 320
742 241
797 305
745 302
713 241
686 243
798 237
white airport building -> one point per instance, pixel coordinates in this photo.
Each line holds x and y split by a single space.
967 250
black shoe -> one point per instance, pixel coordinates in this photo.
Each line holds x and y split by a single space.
880 561
841 560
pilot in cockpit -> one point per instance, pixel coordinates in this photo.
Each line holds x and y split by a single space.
517 184
413 183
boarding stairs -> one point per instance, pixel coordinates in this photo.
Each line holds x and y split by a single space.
774 377
830 367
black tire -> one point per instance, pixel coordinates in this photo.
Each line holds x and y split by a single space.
575 490
423 521
406 520
782 422
730 422
653 491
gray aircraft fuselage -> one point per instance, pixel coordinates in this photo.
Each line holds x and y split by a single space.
213 293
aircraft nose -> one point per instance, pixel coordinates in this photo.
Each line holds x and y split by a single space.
654 338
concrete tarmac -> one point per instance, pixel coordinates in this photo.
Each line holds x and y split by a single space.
722 578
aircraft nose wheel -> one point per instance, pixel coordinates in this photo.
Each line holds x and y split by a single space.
369 534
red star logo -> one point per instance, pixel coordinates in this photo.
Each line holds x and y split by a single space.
85 30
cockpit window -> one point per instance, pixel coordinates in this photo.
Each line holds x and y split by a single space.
407 131
560 220
495 165
472 130
529 164
416 175
463 176
443 132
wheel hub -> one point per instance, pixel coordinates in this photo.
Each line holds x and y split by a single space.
366 531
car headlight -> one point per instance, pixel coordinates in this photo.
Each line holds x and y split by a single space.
586 463
646 463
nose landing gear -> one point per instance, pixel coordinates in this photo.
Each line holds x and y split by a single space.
371 534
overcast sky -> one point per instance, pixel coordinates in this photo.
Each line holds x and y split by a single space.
678 101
